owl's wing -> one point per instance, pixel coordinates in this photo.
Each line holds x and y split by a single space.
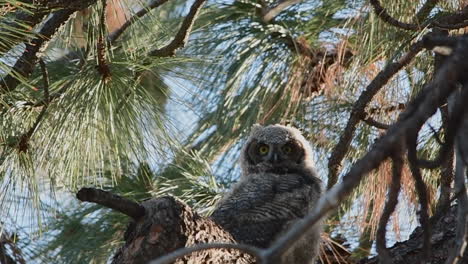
258 209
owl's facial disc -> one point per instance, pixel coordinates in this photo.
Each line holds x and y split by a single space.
277 154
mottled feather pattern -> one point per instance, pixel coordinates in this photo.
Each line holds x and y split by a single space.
278 187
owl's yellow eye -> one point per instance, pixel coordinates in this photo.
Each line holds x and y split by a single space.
287 149
263 149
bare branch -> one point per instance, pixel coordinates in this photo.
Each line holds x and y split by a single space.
118 32
112 201
170 258
182 35
274 11
357 114
390 206
382 13
372 122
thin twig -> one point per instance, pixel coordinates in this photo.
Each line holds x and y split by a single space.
389 208
372 122
382 13
113 201
102 66
274 11
23 143
118 32
357 114
182 35
170 258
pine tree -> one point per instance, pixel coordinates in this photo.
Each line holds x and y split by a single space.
152 98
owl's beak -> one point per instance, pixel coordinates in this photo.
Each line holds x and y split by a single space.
274 157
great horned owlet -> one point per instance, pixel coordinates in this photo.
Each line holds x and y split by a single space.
278 186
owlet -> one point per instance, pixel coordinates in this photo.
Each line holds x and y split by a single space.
278 186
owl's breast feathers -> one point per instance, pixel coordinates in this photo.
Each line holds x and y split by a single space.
261 207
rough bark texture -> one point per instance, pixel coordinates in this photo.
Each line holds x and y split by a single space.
168 225
442 240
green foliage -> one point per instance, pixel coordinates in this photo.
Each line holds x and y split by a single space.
236 70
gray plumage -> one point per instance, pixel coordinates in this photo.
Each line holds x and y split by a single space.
278 186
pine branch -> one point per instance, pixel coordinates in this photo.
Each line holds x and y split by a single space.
25 64
182 35
358 113
23 144
142 12
416 114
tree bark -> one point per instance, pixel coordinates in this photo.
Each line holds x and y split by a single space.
442 240
169 224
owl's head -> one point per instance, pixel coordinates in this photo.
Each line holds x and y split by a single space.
275 148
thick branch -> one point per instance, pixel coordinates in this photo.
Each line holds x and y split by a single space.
182 35
112 201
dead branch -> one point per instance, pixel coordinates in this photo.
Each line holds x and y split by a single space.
182 35
112 201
